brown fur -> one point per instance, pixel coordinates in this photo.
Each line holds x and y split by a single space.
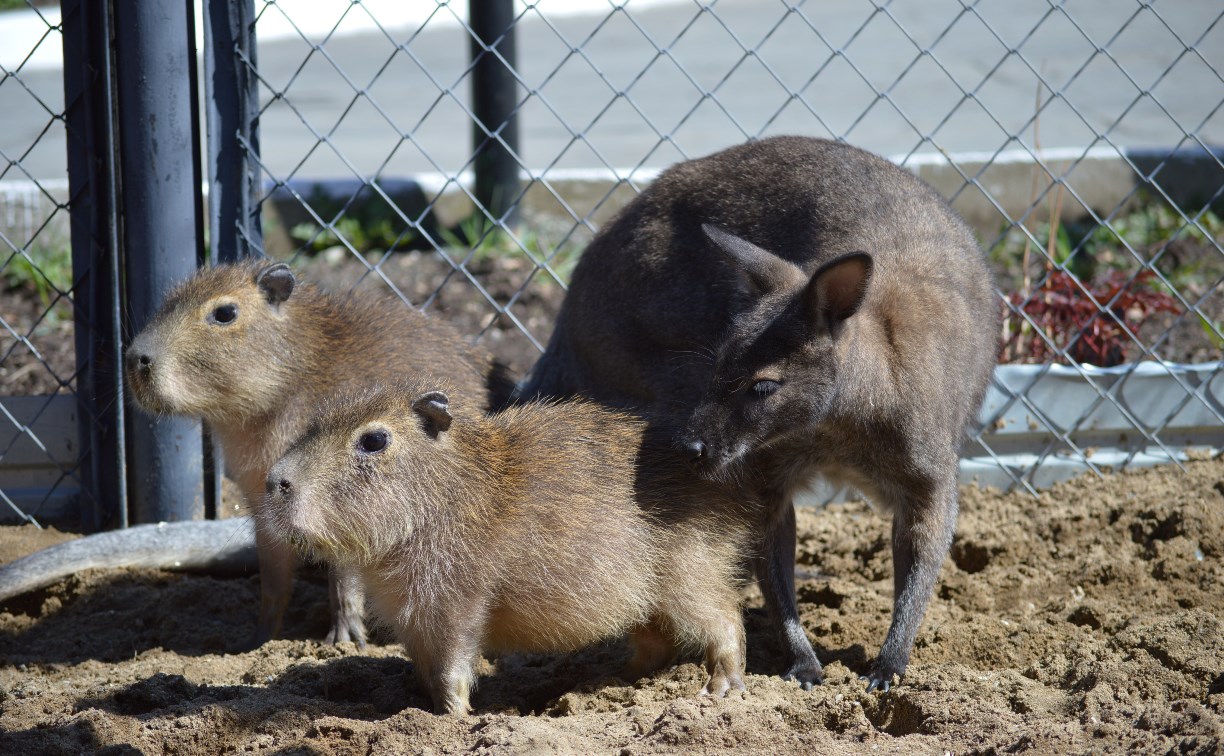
546 527
257 380
794 308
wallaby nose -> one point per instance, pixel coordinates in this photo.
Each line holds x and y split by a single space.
695 450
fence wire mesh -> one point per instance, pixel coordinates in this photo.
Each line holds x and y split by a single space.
1077 139
1080 141
38 371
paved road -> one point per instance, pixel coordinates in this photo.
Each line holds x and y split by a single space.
621 102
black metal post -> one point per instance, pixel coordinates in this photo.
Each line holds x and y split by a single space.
92 184
160 234
495 106
233 130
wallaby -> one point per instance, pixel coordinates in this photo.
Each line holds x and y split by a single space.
795 308
254 352
545 527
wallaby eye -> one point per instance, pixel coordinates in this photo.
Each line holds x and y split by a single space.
373 442
765 387
224 314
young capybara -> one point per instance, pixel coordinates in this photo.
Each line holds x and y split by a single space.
254 353
546 527
795 308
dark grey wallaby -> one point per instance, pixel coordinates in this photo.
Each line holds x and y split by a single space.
794 308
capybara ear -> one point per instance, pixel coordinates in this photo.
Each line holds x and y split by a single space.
837 289
434 409
276 282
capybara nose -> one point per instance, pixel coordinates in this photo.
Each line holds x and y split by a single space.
138 360
695 450
275 485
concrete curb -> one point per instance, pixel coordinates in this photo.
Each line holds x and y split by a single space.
990 190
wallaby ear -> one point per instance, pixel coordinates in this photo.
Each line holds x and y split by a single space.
276 282
837 289
434 409
760 271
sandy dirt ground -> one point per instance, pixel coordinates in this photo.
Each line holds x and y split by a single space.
1086 621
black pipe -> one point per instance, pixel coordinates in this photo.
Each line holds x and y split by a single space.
160 180
232 100
495 107
93 188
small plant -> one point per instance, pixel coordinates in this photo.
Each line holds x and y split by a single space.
43 270
379 235
487 241
1071 322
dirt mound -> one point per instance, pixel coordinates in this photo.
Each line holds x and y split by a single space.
1089 620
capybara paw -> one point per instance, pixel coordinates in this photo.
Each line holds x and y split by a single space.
882 675
345 630
806 672
453 708
720 683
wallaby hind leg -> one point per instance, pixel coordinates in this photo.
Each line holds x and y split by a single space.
922 531
346 598
775 571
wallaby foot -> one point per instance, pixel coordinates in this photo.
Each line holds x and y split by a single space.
805 668
882 674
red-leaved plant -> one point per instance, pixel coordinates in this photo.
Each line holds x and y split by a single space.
1071 321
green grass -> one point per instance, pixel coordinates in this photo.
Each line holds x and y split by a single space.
373 236
43 269
477 240
488 242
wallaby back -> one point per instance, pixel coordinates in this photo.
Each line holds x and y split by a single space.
652 296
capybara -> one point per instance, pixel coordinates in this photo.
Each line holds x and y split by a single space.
254 352
546 527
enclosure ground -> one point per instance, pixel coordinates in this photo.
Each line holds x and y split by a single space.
1086 621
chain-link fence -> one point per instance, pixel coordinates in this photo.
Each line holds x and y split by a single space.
1076 139
38 371
464 161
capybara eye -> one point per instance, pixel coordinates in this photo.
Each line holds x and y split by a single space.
373 442
224 314
764 388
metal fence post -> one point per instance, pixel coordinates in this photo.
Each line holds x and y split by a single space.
495 106
88 100
160 238
232 101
